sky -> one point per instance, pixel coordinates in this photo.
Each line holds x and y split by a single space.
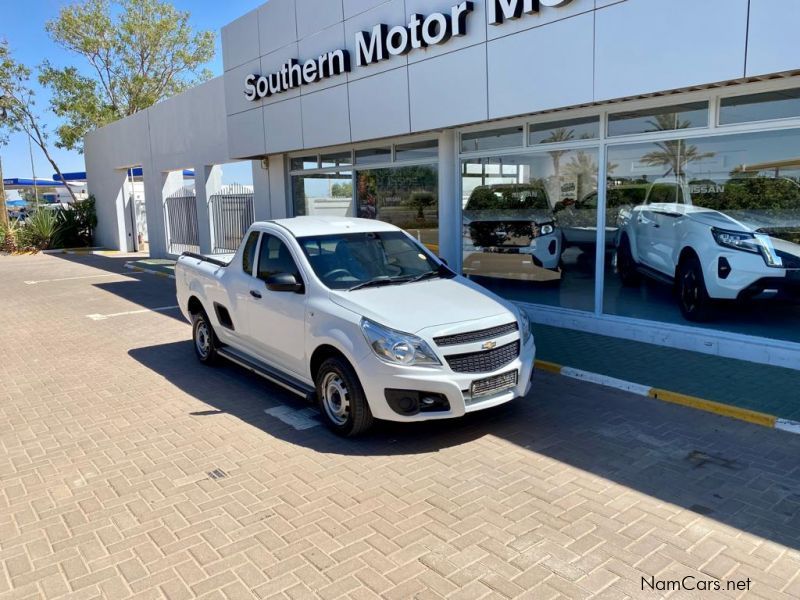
22 25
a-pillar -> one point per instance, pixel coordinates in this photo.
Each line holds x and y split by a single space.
207 182
449 200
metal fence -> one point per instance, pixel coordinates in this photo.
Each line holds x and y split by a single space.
231 215
180 211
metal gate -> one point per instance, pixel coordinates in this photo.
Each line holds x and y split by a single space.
180 211
231 215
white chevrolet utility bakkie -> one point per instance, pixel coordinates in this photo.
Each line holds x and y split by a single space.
359 316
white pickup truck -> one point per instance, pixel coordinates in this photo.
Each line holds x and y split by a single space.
359 316
745 247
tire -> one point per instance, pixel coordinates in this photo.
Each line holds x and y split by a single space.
205 340
626 266
693 298
341 398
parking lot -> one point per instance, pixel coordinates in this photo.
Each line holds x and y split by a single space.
129 470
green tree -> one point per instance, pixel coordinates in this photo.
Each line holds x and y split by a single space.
138 53
342 190
18 110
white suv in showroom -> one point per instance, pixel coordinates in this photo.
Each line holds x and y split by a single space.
735 240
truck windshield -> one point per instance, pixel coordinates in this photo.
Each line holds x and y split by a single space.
358 260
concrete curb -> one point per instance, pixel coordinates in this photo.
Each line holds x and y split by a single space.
717 408
81 251
134 267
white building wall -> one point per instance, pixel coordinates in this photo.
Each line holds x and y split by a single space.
188 131
582 52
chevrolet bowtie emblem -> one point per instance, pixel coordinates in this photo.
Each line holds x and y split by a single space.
489 345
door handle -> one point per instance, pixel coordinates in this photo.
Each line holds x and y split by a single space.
255 294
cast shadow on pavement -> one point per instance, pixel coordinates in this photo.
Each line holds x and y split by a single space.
742 475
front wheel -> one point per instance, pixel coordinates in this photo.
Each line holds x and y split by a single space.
693 298
626 266
205 342
341 398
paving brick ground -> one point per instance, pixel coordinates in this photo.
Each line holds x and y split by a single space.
128 470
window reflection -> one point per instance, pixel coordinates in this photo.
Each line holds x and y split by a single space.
652 120
529 225
323 194
716 237
407 197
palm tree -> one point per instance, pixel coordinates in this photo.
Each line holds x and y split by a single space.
673 154
562 134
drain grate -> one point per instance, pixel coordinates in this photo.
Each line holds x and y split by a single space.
217 474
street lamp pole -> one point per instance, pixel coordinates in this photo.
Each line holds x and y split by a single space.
3 207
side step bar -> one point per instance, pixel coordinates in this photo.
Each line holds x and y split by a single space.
653 274
287 382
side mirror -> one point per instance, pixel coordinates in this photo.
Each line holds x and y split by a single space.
284 282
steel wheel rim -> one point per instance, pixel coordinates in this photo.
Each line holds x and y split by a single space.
203 339
336 398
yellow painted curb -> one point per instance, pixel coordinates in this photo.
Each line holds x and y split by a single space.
718 408
548 366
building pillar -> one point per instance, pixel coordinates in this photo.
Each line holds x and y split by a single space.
157 187
449 201
261 192
278 187
207 182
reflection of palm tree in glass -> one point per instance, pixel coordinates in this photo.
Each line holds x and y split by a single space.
562 134
582 167
673 154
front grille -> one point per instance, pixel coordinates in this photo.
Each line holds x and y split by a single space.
484 361
490 385
476 336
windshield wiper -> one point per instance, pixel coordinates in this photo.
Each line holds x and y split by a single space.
426 275
379 282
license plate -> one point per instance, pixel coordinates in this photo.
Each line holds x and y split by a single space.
494 385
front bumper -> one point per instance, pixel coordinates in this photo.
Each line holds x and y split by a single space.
377 376
749 277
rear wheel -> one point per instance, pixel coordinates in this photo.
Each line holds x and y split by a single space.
626 266
205 341
693 297
341 398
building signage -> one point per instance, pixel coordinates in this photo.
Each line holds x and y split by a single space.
383 42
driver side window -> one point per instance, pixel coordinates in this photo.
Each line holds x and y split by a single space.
249 253
275 258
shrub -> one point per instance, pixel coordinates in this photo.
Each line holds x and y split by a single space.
77 223
40 232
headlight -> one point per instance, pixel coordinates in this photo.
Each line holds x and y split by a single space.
748 242
396 347
524 326
547 229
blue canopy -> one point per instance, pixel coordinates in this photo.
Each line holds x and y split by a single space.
135 172
17 182
17 203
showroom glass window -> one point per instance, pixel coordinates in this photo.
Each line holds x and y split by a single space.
323 193
730 201
398 184
406 196
529 225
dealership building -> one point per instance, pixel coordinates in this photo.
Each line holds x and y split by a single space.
524 141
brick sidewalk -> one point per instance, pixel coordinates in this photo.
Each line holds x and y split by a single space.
128 470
